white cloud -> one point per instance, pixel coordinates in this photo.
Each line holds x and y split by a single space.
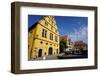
80 34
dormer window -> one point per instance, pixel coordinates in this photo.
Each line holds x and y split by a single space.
46 23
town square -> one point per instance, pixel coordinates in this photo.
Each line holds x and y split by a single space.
57 37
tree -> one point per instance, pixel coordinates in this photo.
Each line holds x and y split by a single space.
63 46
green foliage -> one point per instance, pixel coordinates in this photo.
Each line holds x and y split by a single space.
63 46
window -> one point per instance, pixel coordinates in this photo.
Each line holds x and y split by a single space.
52 22
51 27
46 23
51 36
44 33
49 19
57 51
46 43
41 42
56 39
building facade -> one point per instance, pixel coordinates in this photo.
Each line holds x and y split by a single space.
80 45
43 38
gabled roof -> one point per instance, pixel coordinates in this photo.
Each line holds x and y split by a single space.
33 26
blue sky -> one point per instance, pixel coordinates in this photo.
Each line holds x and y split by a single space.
74 27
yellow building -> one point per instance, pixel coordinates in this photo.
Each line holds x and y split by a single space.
43 38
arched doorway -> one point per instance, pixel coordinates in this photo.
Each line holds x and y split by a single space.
40 53
57 51
50 51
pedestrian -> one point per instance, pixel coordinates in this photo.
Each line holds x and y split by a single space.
44 57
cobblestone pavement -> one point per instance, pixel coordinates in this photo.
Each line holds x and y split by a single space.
50 57
61 56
